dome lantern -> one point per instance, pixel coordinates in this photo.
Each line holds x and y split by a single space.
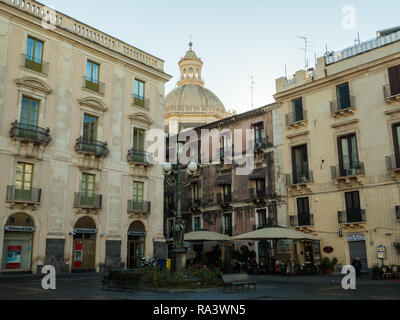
190 67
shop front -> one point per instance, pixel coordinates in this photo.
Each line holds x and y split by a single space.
136 244
84 246
18 244
357 249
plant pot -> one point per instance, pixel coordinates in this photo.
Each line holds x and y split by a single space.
328 271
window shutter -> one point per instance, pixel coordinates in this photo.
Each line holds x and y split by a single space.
394 79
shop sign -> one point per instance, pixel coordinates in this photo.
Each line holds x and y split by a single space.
19 229
81 230
381 251
355 236
14 257
328 249
137 233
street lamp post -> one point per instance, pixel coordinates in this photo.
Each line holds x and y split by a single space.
175 179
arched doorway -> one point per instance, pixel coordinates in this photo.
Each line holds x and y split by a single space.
18 243
84 246
136 241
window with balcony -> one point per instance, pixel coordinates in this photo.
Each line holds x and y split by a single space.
197 223
354 213
301 172
225 145
139 92
396 140
303 212
92 76
228 224
262 218
137 193
34 54
196 191
343 96
28 126
137 203
23 181
87 189
349 163
90 127
259 135
298 110
394 81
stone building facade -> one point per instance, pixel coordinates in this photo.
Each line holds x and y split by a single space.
222 201
341 151
75 105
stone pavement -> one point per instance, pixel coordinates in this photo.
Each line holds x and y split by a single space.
270 287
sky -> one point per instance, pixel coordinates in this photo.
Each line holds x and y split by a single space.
236 39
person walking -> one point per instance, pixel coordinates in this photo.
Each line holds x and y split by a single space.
357 265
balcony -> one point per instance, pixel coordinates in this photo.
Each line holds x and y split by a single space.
33 64
296 119
193 204
141 102
93 85
139 157
300 183
30 133
390 95
341 109
259 194
136 207
224 199
29 197
353 217
91 147
260 144
304 222
393 166
354 174
88 202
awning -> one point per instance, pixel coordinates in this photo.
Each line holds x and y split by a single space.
206 236
275 234
258 173
224 180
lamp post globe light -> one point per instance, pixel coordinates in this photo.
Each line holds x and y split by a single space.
175 178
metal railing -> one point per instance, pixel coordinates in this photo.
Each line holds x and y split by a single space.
82 200
141 101
257 194
362 47
29 132
32 195
296 117
304 220
352 216
139 207
93 85
193 204
305 177
338 106
35 64
224 198
355 169
142 157
260 143
98 148
392 162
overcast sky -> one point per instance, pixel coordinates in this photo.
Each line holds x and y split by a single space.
236 39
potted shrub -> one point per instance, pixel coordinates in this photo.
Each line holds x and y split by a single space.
327 266
376 272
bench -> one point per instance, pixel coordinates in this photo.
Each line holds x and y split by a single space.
238 280
121 281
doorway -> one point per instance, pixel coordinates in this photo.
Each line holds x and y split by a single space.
84 246
136 245
358 249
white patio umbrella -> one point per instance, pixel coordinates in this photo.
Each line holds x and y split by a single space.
275 234
206 236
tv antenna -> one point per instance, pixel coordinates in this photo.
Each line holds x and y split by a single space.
306 49
252 91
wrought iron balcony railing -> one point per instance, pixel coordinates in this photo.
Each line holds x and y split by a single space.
32 195
388 93
142 157
294 179
97 148
35 64
27 132
93 85
139 207
352 216
392 163
141 101
259 194
296 117
338 106
354 169
85 201
304 220
223 199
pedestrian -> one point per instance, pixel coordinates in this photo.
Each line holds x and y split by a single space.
357 265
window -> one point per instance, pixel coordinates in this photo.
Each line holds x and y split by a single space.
92 75
197 223
353 207
87 189
227 224
138 190
23 181
29 117
343 95
196 191
396 138
260 185
300 164
348 155
298 110
394 80
139 92
138 139
262 219
303 212
34 54
89 128
258 132
225 144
